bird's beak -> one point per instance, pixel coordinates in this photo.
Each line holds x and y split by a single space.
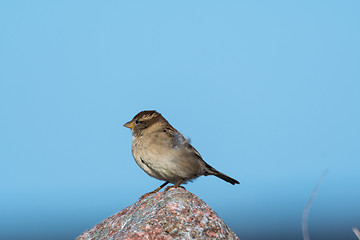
129 125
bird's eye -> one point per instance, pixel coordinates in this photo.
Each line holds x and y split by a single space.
136 121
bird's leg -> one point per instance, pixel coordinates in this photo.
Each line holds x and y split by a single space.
162 185
155 191
176 185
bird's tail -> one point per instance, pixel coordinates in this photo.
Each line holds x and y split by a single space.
212 171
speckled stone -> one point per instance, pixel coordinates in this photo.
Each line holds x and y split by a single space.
175 214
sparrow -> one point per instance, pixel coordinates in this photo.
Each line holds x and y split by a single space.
163 152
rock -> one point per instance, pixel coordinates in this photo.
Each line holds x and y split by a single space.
174 214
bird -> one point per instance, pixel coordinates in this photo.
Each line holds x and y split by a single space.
164 153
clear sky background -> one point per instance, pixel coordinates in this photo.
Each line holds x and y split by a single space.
268 92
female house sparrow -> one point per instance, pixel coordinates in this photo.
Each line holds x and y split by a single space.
163 152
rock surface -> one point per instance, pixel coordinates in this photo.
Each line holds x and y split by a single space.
174 214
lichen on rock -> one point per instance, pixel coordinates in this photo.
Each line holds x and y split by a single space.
174 214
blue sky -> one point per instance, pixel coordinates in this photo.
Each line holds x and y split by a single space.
268 92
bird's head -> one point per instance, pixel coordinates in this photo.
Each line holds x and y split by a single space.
144 120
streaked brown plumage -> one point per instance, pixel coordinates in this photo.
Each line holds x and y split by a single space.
163 152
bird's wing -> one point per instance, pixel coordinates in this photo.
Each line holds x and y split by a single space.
178 141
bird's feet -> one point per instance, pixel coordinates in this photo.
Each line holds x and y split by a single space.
169 187
147 194
155 191
176 185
